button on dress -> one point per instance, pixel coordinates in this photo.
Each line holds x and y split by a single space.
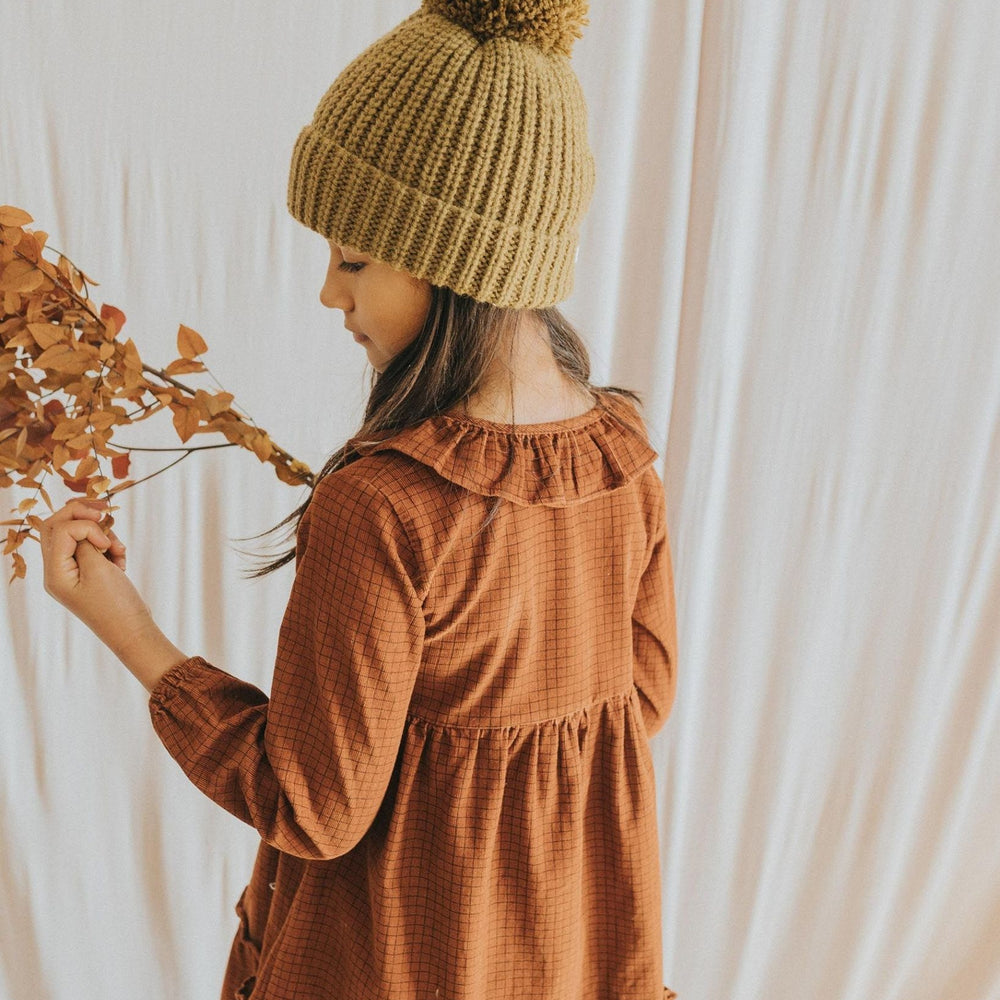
451 777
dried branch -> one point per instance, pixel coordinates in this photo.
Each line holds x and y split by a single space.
66 377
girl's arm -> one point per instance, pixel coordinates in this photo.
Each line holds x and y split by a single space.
308 767
654 629
84 570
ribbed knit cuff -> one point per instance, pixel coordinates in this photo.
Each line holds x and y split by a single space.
354 203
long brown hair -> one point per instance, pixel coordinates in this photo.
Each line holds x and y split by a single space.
444 365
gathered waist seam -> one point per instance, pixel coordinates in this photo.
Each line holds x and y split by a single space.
619 699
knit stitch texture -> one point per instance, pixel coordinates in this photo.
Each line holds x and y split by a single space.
456 155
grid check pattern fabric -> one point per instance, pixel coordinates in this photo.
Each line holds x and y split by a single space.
451 778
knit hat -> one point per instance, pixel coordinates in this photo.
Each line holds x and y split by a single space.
455 148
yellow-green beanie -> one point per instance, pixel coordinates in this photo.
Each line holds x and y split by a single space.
455 148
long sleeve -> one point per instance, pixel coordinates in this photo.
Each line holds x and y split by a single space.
654 629
309 767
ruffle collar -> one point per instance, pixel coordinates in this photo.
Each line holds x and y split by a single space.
553 464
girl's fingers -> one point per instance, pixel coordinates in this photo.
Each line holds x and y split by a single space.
63 552
92 510
116 551
65 538
62 571
88 513
89 559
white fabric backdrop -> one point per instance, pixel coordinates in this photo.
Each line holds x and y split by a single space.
792 253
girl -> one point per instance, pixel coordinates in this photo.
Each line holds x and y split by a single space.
451 777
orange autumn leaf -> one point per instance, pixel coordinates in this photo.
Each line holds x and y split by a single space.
20 567
190 343
219 403
13 539
67 429
102 420
54 356
46 335
20 276
185 421
11 216
109 315
184 366
88 466
119 466
130 356
262 446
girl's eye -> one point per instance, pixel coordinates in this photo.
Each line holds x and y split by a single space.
350 266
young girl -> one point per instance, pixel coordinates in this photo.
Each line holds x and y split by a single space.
451 777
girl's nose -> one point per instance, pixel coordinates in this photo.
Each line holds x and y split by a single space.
333 294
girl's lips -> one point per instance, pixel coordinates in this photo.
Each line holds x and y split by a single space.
359 338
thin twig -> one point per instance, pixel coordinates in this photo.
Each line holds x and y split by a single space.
168 378
245 417
144 411
200 447
153 475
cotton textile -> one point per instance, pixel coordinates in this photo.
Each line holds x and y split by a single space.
452 778
791 253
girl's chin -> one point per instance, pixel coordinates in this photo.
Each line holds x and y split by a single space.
379 364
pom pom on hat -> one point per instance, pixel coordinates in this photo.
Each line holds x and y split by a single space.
549 25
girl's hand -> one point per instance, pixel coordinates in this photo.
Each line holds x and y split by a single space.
85 571
84 566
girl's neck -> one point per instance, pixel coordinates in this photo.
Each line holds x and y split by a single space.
524 385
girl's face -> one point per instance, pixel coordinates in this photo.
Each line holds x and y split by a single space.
384 308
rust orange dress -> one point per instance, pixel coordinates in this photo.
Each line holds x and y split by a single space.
451 777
